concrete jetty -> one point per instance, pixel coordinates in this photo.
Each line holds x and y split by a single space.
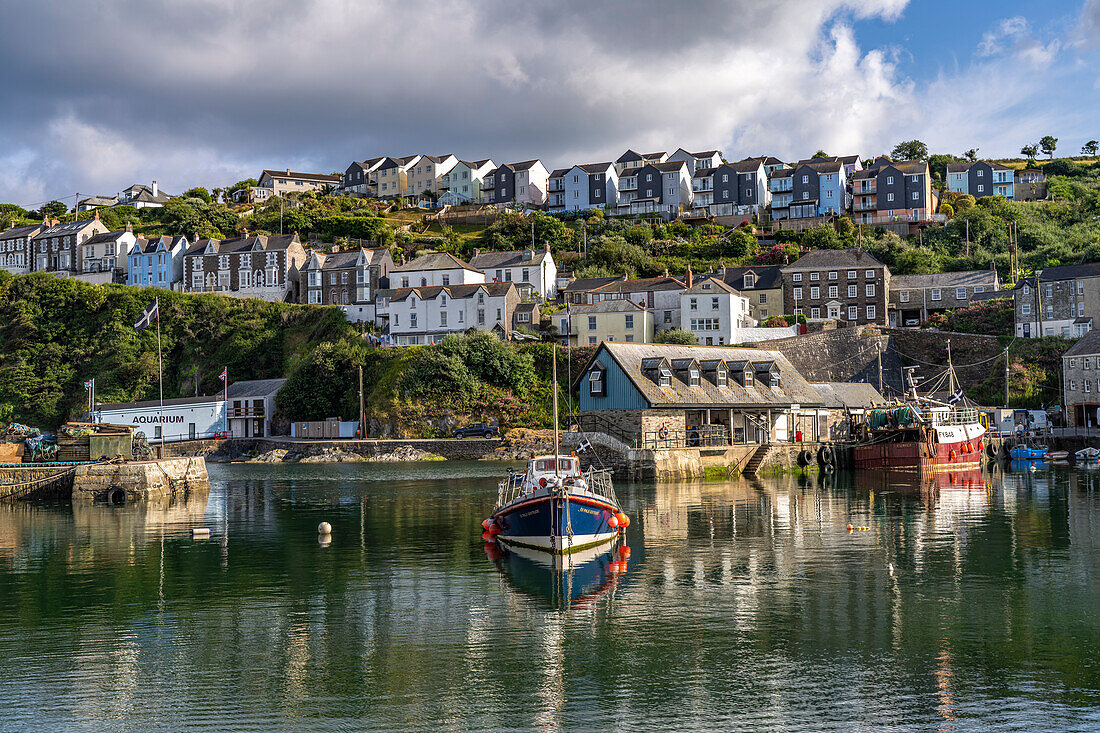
116 481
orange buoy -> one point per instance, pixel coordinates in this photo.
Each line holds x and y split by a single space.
952 455
486 536
624 521
613 567
494 529
613 521
850 528
485 524
981 445
492 551
624 552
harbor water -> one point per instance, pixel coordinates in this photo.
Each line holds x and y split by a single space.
965 603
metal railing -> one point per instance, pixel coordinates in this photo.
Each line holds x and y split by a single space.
701 436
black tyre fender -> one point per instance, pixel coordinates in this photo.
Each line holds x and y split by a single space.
825 455
805 457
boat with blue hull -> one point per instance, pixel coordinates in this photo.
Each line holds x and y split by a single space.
561 582
555 507
1025 453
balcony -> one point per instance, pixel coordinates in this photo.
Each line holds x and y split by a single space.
866 186
556 186
249 411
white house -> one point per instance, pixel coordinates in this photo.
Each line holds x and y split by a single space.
437 268
695 161
185 418
15 248
426 172
424 315
713 311
533 271
106 255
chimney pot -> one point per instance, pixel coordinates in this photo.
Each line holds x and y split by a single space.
129 227
154 189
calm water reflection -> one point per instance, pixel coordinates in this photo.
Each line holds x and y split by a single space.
743 606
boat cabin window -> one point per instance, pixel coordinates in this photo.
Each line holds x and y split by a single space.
547 464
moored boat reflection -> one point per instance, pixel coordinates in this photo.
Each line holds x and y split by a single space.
560 582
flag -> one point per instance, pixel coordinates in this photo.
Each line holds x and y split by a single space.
150 314
88 386
955 397
585 445
224 374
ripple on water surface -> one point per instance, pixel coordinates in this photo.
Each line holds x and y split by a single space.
742 606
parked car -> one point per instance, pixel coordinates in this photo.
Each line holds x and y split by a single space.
476 430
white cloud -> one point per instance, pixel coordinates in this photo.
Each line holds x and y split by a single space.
1014 37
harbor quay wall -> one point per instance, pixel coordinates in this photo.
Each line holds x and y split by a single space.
466 449
139 479
35 483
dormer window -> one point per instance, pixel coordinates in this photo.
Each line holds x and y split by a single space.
693 377
665 379
750 280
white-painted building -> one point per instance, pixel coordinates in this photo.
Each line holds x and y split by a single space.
424 315
533 271
186 418
713 311
15 248
435 269
463 183
104 258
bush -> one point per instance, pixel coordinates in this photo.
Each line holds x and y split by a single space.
992 317
676 336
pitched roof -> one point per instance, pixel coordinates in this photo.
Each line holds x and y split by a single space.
559 172
943 279
1088 344
304 176
852 256
148 246
746 166
793 389
105 237
526 307
141 192
782 172
1068 272
99 201
628 156
710 285
586 284
64 228
967 165
618 305
669 166
487 260
255 387
595 167
522 166
452 291
20 232
907 167
851 395
703 172
267 242
640 285
435 261
821 165
767 277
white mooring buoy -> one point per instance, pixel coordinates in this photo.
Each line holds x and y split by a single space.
200 532
324 528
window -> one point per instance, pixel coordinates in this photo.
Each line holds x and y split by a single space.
762 299
869 274
668 316
960 293
805 179
889 180
591 340
1080 309
412 320
1025 309
815 313
666 377
815 292
1072 387
853 312
693 377
443 318
595 383
1086 363
903 296
870 290
833 291
630 321
870 313
592 323
714 304
693 303
980 188
797 277
936 295
1072 363
446 279
798 311
889 197
1080 288
1050 290
750 280
979 288
798 293
815 276
852 274
832 276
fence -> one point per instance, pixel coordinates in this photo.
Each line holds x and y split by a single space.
702 436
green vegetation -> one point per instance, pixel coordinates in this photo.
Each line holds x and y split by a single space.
1035 375
989 317
55 333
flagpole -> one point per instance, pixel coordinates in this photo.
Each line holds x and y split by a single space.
160 374
225 379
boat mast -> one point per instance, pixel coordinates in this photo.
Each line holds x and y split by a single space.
554 359
950 370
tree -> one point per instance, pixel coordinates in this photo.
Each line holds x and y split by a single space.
820 154
964 202
1030 150
676 336
1048 143
938 165
971 155
54 209
910 150
198 192
1091 147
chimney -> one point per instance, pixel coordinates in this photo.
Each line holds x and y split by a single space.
666 272
547 247
195 237
129 227
476 252
154 189
55 222
688 277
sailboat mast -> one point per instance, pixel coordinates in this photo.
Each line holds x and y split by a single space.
950 370
554 359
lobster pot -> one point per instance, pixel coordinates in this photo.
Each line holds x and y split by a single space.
73 449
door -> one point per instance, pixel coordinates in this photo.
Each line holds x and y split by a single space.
191 431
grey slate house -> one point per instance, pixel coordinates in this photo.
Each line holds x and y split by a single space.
1065 304
761 284
890 192
57 248
1081 382
15 248
259 266
576 292
914 298
837 284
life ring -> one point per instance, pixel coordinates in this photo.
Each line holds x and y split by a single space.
663 432
991 451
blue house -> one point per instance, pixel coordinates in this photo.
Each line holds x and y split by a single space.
980 179
157 262
668 396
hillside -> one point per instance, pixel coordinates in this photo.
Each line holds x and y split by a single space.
56 333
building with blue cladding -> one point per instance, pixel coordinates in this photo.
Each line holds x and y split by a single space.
157 262
980 179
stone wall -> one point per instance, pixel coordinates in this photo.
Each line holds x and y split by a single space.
35 484
467 449
140 479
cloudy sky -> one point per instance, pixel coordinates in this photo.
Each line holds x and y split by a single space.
206 92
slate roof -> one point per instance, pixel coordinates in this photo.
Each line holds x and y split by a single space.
488 260
149 246
64 229
715 286
907 167
628 156
525 165
559 172
434 261
618 305
821 165
141 192
851 257
105 237
782 173
793 389
748 165
20 232
99 201
967 165
943 280
640 285
1088 344
267 242
1062 272
255 388
851 395
526 307
767 277
453 291
322 177
586 284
